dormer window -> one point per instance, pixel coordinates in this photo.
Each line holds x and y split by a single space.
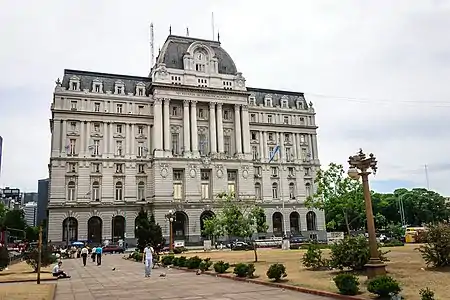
97 86
74 83
252 101
268 101
299 104
284 103
140 92
140 89
119 87
119 90
200 59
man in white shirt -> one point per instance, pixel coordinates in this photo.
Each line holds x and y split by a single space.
58 271
147 259
84 254
93 254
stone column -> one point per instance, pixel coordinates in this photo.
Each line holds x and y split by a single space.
186 136
111 139
219 128
167 144
245 130
132 139
157 126
315 151
64 137
87 137
294 148
127 129
194 133
310 146
106 137
149 144
280 139
56 136
212 127
266 153
237 129
83 134
261 145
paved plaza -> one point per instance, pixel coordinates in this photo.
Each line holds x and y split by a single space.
127 282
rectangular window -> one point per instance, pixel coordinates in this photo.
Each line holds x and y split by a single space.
96 127
269 119
201 113
73 105
97 88
119 108
226 115
96 192
287 137
96 147
119 128
174 111
286 120
96 168
119 90
141 168
140 129
271 148
119 146
73 126
141 149
270 136
74 86
289 156
307 171
72 147
140 109
252 118
232 181
254 135
205 178
72 167
177 184
97 107
274 171
175 143
202 144
257 170
291 172
302 139
255 153
119 168
140 91
258 193
227 144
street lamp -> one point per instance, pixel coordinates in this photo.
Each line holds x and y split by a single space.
360 166
171 217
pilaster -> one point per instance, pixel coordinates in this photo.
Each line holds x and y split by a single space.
194 133
212 127
219 128
158 128
186 128
167 144
237 129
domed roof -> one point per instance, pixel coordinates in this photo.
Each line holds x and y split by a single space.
176 47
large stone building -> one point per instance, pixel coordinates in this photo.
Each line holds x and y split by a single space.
174 140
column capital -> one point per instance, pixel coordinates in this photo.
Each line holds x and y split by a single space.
166 101
212 105
157 100
245 107
219 105
237 106
186 102
194 102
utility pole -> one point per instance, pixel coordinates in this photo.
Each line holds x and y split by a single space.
39 256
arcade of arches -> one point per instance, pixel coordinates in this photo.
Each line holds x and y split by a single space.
180 226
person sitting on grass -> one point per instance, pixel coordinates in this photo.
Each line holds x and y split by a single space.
58 271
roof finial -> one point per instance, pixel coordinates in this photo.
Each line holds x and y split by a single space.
187 31
218 36
170 30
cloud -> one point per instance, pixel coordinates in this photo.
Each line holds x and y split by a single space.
375 70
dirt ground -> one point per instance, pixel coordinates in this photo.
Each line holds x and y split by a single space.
27 291
405 265
23 272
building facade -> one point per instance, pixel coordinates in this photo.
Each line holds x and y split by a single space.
174 140
43 189
30 213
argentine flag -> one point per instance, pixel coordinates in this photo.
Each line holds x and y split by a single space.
274 152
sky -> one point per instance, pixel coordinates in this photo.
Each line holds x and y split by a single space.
376 71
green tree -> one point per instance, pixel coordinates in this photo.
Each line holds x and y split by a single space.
14 221
156 237
340 197
32 233
239 218
212 228
142 231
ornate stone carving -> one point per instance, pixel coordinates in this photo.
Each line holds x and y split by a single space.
192 171
179 207
240 79
202 129
206 161
212 105
164 170
245 172
158 100
219 105
245 107
161 70
219 171
186 102
175 129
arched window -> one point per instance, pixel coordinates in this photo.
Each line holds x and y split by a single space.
311 222
96 191
308 189
119 191
71 193
291 190
200 58
274 190
141 191
258 193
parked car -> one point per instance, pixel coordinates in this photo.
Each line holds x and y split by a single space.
241 246
113 249
296 242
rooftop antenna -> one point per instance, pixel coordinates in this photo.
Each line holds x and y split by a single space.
426 177
152 45
187 31
212 25
218 36
170 30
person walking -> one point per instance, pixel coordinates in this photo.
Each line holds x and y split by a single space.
93 254
98 254
84 254
147 259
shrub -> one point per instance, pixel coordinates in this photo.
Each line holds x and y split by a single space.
182 261
167 260
205 264
393 243
175 261
221 267
383 286
241 270
347 284
193 262
4 258
137 256
353 253
313 257
436 251
47 257
276 272
426 294
251 271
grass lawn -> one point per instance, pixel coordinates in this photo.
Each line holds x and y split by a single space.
405 265
27 291
23 272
